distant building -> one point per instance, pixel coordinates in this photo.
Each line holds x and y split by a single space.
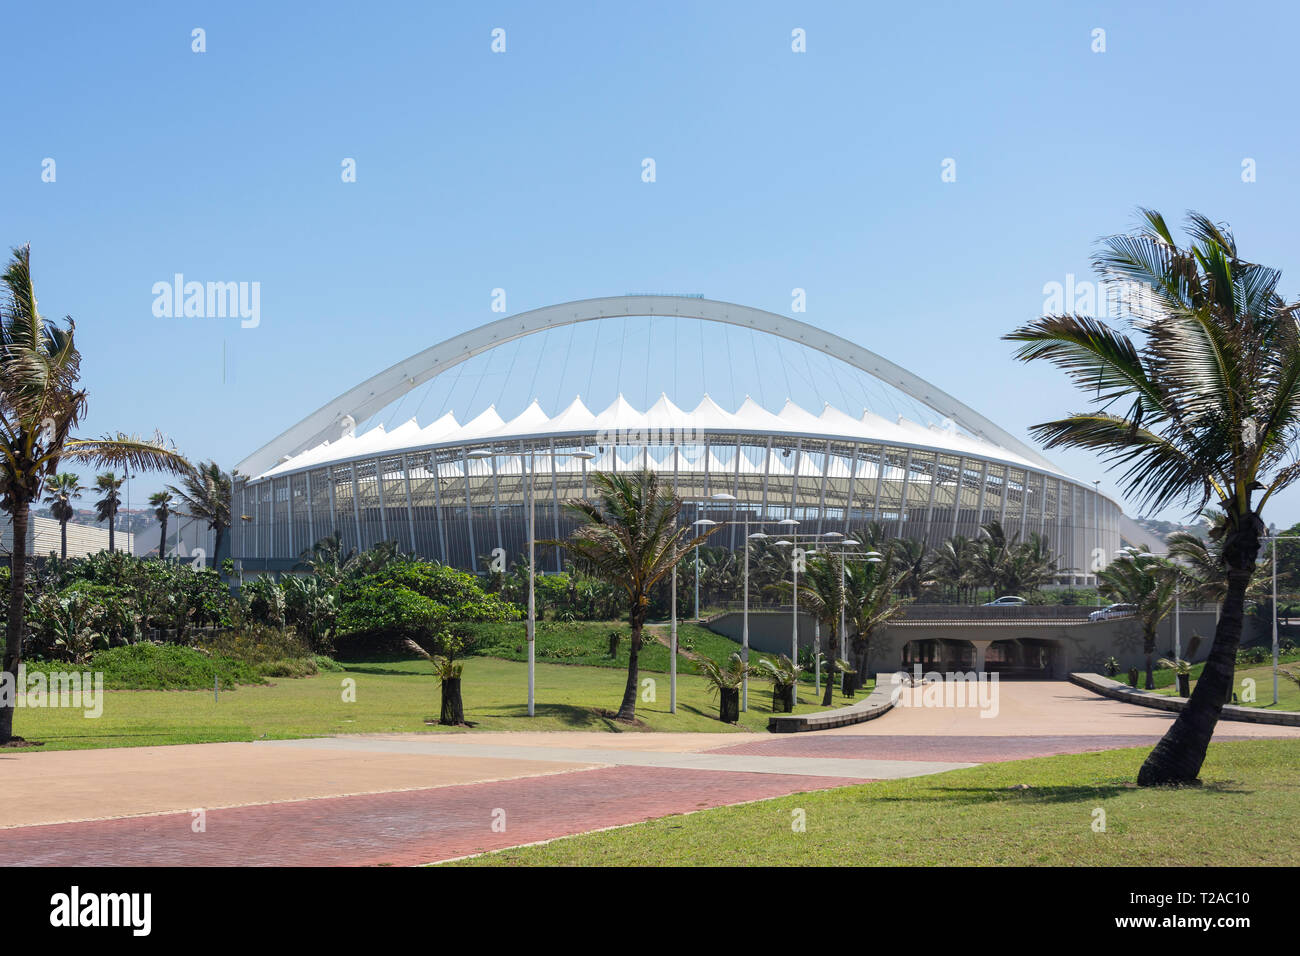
43 538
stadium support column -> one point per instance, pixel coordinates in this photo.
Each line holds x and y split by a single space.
984 485
311 516
356 506
410 505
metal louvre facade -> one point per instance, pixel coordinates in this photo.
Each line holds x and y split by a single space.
433 499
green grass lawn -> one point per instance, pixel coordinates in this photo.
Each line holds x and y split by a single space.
391 696
1288 693
1250 802
587 642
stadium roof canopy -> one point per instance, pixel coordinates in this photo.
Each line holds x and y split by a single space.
662 423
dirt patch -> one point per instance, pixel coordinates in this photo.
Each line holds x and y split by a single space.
17 742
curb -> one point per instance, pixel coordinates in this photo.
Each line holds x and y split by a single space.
1131 695
876 704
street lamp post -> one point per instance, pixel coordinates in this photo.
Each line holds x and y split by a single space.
744 617
1274 537
480 454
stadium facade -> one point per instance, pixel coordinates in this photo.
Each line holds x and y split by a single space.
457 492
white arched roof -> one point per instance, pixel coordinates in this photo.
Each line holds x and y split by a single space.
335 420
624 424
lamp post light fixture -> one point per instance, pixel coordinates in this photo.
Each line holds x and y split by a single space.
480 454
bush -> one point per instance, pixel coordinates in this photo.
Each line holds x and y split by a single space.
415 600
147 666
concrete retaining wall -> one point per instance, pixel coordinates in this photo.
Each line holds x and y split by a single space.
879 702
1143 698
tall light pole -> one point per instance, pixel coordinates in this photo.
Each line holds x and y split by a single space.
755 536
1274 537
482 453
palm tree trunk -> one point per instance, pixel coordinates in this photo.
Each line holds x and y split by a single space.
216 549
63 539
1149 648
830 667
112 520
162 538
14 626
1177 758
627 709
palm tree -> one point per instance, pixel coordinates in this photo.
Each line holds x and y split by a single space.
821 593
1199 405
161 503
1203 579
1149 583
109 502
206 493
630 536
912 560
62 489
870 601
40 405
952 565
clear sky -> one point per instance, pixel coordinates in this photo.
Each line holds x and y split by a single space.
522 170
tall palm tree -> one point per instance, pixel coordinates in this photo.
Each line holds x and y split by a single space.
61 490
206 493
821 594
161 503
1149 583
40 405
871 596
1199 405
106 508
630 536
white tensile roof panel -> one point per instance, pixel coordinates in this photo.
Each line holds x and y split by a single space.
664 422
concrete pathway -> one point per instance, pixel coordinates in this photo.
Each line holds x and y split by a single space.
415 798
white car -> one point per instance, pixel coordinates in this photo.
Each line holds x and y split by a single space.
1114 610
1007 600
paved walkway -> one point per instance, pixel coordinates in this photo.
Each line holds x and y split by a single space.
416 798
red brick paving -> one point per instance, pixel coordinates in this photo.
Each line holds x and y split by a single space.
969 749
403 828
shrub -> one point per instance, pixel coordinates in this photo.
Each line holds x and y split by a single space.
416 600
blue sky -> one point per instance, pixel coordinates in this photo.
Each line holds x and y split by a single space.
522 171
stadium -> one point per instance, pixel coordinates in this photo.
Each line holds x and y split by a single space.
457 489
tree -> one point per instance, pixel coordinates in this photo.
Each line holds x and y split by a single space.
62 489
871 600
1149 583
952 566
912 560
108 485
161 502
1203 579
630 535
1198 405
40 406
206 493
821 593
